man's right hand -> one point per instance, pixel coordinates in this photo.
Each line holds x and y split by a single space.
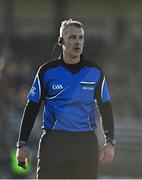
23 156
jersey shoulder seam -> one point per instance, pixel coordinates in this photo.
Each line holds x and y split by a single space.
49 65
89 63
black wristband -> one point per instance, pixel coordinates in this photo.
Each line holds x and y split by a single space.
21 144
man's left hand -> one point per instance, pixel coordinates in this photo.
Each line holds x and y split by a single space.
107 153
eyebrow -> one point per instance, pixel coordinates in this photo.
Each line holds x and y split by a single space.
75 35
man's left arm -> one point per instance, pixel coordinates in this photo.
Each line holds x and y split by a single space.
105 110
107 151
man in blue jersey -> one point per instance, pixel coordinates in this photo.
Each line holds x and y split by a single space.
70 88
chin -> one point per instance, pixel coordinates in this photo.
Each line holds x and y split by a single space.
75 55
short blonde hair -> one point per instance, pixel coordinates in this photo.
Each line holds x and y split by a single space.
66 23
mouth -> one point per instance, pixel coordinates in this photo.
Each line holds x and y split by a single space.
77 49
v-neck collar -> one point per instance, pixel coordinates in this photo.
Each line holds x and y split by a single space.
73 68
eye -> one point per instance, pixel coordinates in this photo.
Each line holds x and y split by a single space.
81 37
72 37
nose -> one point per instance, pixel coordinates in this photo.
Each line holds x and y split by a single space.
78 41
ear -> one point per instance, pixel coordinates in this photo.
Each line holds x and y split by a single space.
60 41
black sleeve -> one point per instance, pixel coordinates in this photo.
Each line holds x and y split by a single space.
31 110
106 115
29 115
105 111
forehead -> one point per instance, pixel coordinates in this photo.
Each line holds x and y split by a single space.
73 30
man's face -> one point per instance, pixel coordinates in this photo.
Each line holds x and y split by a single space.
73 41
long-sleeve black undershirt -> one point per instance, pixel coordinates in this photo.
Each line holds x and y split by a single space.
105 110
29 115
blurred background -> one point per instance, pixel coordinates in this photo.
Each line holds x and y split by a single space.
28 32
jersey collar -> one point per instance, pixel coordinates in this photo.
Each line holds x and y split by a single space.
73 68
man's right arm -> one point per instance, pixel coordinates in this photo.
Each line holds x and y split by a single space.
29 115
35 97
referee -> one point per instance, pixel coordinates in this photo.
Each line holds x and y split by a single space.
70 87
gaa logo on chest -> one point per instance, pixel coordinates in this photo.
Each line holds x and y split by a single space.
58 86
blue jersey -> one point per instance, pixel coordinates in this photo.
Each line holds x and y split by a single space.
69 96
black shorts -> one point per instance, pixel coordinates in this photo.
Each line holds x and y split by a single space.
64 155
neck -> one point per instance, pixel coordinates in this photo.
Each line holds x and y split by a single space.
70 60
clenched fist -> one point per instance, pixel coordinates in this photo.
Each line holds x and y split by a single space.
22 156
107 153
